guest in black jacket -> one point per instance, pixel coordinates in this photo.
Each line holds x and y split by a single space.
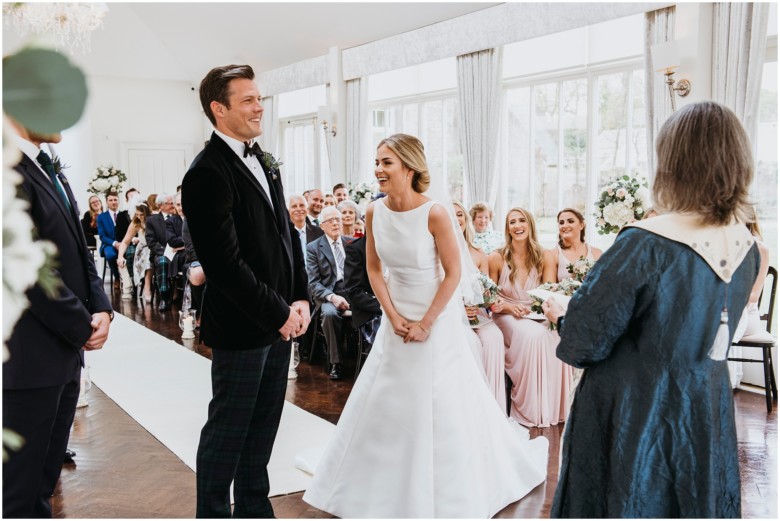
89 221
364 304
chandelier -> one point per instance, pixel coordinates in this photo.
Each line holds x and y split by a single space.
70 23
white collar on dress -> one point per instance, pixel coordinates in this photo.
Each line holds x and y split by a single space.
722 247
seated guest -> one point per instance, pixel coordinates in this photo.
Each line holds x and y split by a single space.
340 193
314 204
490 353
157 240
325 267
106 224
192 268
361 297
485 239
540 382
151 202
141 263
330 200
750 322
173 235
89 221
349 213
359 229
296 206
571 243
123 219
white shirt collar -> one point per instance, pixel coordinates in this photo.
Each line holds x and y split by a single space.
234 144
29 149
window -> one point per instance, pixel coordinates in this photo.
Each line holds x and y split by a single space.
573 121
302 141
423 104
764 193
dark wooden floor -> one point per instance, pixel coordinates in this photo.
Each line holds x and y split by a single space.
121 471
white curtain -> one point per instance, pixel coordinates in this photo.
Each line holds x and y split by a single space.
358 132
270 137
738 48
479 94
659 28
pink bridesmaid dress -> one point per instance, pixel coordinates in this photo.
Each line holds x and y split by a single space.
490 355
540 381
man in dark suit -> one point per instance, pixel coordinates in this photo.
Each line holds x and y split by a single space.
256 297
325 266
361 297
109 244
305 231
157 240
314 204
41 377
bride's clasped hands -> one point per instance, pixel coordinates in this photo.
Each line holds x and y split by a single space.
410 331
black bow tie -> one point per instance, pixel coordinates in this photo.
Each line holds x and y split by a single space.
254 149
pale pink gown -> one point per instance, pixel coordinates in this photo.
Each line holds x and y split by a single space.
490 356
540 381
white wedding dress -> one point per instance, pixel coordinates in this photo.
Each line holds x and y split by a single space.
421 436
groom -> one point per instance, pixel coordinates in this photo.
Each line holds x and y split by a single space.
256 299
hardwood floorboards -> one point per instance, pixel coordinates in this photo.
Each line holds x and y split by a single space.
122 471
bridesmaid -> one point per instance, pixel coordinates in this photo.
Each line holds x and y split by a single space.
571 243
540 382
491 340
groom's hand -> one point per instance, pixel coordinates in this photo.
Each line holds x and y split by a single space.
293 324
302 308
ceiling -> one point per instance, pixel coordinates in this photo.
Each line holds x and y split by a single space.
181 41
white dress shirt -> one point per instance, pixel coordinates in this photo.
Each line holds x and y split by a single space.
339 269
251 161
30 150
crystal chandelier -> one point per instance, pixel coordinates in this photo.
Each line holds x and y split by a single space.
70 23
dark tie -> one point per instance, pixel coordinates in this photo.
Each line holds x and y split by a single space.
339 255
253 149
45 161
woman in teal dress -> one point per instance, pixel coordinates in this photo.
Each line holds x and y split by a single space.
651 430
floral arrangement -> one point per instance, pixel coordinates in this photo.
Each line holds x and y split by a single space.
580 268
489 294
565 287
362 193
107 179
622 201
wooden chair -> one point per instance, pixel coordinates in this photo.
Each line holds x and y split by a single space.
765 342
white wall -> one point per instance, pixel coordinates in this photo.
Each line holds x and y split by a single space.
128 110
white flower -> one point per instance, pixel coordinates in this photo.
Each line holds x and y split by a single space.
114 180
629 199
643 196
621 192
601 222
610 191
618 214
101 184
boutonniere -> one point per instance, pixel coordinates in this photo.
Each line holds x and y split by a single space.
59 166
271 164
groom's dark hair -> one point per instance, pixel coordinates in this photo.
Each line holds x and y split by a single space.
214 86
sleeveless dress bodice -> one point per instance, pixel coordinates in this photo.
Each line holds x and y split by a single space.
517 293
563 273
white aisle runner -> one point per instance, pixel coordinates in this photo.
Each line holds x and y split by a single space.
167 388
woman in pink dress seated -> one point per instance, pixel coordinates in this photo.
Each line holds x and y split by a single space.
571 243
491 340
540 382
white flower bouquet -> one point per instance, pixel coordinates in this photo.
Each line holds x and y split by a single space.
560 291
107 179
489 294
362 193
621 202
580 268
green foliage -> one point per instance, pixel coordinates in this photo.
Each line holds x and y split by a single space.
43 91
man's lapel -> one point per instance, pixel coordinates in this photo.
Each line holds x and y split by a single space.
35 176
327 252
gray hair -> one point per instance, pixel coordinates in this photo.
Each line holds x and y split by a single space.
297 196
162 197
329 212
346 203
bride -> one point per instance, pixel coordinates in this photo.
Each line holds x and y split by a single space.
420 436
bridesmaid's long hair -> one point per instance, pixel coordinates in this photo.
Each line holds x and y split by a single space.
535 258
581 219
468 232
144 209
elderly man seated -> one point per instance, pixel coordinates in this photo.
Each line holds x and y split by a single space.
325 267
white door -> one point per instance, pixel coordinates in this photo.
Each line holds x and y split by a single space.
152 168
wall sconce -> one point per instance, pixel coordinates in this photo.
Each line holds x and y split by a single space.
666 59
326 119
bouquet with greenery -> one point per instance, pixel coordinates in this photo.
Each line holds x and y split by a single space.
580 268
489 294
622 201
107 179
560 291
362 193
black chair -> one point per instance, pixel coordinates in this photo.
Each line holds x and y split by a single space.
318 337
765 342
